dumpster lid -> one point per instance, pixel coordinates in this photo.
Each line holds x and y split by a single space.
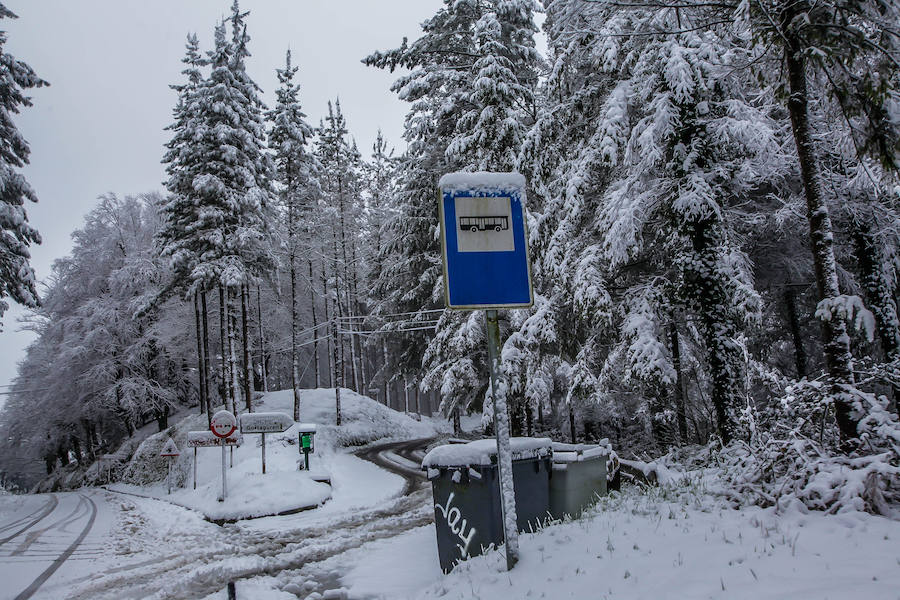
483 452
565 453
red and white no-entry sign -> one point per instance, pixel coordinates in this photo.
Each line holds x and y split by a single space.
223 424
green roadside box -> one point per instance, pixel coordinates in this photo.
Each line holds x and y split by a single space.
307 437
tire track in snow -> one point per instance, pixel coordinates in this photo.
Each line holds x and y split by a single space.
239 554
44 511
56 564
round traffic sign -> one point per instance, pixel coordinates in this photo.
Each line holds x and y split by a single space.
223 424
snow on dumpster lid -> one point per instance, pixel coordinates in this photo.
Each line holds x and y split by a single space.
480 452
481 179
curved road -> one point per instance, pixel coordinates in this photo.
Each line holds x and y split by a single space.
403 458
39 535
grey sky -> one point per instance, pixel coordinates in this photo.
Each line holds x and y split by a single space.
99 126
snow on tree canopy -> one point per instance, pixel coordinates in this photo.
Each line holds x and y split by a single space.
481 180
484 452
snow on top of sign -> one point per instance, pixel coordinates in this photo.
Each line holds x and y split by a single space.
170 449
306 427
480 452
481 179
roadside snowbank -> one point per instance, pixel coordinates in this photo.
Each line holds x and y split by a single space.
654 544
284 488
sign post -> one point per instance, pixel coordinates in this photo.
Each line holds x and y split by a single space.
222 425
484 245
206 439
170 451
264 423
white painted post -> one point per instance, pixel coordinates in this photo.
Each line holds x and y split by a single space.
224 489
504 455
169 473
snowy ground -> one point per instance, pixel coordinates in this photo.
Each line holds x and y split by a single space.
645 545
285 488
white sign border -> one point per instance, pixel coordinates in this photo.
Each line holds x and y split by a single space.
443 233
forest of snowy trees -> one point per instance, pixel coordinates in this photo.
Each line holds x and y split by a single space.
714 221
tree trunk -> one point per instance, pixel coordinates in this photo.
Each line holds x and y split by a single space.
245 339
295 318
222 348
457 427
338 376
385 374
232 351
418 412
206 359
262 341
312 305
877 288
680 412
331 339
572 437
836 341
201 370
790 300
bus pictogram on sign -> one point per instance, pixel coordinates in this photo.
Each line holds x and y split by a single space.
473 224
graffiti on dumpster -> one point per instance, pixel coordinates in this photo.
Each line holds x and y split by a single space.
453 515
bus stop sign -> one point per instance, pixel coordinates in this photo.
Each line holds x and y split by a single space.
484 241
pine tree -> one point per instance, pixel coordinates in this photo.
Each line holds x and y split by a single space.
289 137
17 279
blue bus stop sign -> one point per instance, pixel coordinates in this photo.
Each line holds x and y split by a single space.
484 241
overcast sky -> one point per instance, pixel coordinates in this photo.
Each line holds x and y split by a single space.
99 126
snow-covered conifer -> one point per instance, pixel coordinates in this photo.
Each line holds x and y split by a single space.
17 279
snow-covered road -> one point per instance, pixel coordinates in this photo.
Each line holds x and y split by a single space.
48 539
94 544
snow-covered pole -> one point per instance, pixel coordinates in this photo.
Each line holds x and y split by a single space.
222 499
504 454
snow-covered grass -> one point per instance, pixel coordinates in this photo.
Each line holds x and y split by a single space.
663 542
284 487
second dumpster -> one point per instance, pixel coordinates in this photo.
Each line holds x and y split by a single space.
578 478
466 488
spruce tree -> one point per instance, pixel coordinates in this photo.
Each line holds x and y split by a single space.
17 279
295 172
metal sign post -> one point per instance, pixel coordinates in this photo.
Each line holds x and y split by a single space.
222 425
484 245
264 423
206 439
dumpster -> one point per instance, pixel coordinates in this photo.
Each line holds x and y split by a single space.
464 479
577 478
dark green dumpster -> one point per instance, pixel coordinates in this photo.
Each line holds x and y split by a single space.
578 478
466 488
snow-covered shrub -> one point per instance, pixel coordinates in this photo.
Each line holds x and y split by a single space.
796 458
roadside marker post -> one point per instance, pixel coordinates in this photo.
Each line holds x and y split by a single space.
484 246
222 425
